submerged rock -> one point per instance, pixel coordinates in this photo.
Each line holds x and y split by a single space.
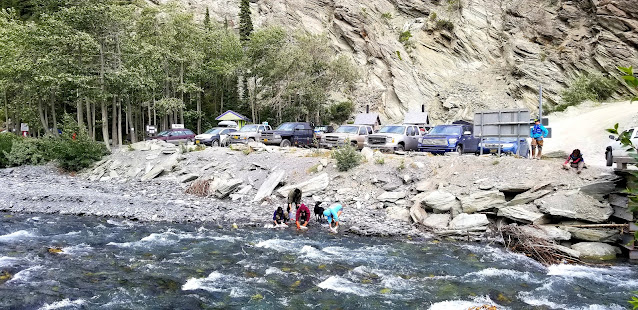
596 250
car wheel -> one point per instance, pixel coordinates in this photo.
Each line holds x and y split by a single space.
285 143
401 148
215 143
354 144
610 158
459 149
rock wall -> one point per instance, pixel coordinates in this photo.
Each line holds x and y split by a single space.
489 54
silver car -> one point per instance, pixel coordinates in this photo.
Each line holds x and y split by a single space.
248 133
395 138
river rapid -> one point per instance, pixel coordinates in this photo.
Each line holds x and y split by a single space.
115 264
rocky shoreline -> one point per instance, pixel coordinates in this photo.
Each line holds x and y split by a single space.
461 197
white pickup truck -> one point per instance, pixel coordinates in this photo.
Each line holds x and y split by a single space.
615 149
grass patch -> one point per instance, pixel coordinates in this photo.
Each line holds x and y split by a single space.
405 36
248 150
379 161
401 165
313 169
594 87
318 153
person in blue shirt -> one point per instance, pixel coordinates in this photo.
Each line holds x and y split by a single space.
538 132
332 215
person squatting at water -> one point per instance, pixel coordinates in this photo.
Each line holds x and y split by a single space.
294 196
332 215
537 133
302 217
575 160
279 217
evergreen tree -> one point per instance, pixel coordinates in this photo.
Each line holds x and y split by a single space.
207 20
245 22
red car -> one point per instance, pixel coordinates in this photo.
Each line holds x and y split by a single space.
176 136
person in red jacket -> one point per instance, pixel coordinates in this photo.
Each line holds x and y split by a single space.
303 216
575 160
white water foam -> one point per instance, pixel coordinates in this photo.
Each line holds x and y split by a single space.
539 301
274 270
500 255
219 282
339 284
486 274
17 235
157 239
79 249
25 275
464 304
608 275
65 303
6 261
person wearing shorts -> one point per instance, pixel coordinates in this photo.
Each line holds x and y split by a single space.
537 133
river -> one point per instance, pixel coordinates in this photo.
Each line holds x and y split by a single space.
116 264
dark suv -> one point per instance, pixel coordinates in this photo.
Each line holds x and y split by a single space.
289 134
176 136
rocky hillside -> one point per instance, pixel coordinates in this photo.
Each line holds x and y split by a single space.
461 55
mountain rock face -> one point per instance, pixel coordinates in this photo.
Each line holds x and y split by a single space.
462 55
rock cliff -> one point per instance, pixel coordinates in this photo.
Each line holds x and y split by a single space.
462 55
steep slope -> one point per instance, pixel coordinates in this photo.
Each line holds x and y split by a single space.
464 55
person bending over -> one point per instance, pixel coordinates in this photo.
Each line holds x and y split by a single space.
303 216
294 196
279 217
332 215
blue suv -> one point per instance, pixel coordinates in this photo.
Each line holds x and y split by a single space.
449 138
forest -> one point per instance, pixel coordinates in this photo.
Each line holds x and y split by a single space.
117 66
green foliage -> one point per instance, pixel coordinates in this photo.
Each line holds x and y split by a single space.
386 15
347 157
245 21
401 165
399 55
593 87
379 161
444 24
405 36
340 112
454 5
630 79
634 301
433 16
6 143
25 151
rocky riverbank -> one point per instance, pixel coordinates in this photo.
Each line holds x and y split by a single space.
466 197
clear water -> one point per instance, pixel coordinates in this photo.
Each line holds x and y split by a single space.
113 264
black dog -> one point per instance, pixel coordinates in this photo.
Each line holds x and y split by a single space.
319 212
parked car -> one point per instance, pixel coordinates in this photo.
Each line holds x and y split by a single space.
507 145
249 133
352 134
320 130
615 148
176 136
449 138
289 134
395 138
215 136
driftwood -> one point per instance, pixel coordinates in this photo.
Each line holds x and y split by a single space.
199 188
544 251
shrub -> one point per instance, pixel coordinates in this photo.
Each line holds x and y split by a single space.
6 142
347 157
401 165
340 112
405 36
433 16
25 151
593 87
379 161
444 24
75 155
386 15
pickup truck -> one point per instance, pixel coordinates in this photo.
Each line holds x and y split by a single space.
289 134
346 134
615 148
395 138
449 138
249 133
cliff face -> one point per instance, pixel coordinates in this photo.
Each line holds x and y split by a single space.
464 55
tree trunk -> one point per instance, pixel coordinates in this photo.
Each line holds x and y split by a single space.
80 113
114 121
54 119
119 122
131 121
89 125
93 120
199 112
181 82
6 110
43 120
105 116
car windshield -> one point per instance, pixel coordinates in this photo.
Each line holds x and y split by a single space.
214 131
249 128
163 133
392 129
348 129
286 127
445 130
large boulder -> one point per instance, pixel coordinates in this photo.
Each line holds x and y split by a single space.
524 213
398 213
468 221
269 185
309 187
599 189
591 234
437 221
426 185
596 250
226 187
417 213
528 197
517 188
368 154
482 201
391 196
620 204
574 205
166 165
441 201
546 232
